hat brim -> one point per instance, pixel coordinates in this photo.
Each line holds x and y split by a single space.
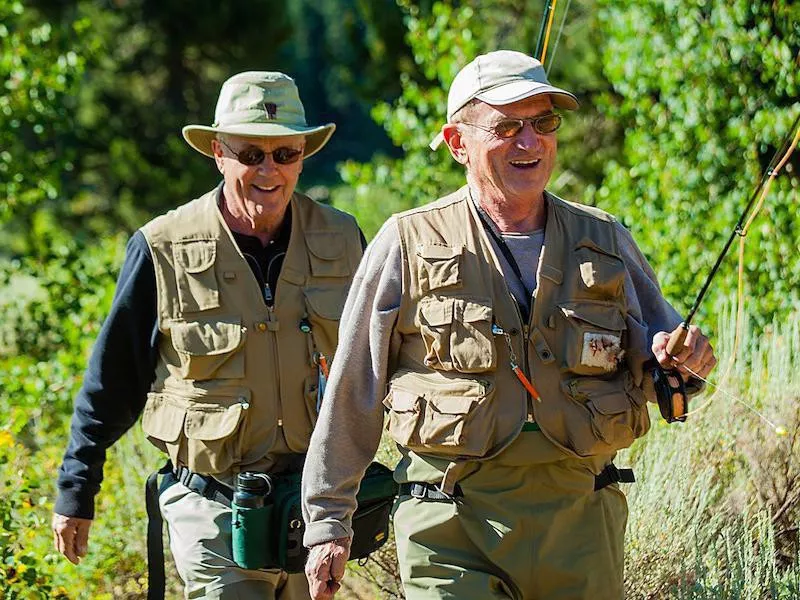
519 90
199 137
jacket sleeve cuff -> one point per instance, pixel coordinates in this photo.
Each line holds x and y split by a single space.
74 502
326 530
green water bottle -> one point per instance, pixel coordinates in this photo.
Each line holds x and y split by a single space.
251 516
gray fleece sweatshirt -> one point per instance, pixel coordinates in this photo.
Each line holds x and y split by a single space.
350 422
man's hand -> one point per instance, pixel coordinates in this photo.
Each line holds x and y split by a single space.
696 354
71 535
325 568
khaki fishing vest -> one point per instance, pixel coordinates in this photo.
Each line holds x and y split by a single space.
454 395
236 381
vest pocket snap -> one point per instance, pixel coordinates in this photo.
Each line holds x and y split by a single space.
457 333
209 348
431 414
195 275
613 411
592 337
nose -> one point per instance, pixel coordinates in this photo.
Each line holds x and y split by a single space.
528 138
268 164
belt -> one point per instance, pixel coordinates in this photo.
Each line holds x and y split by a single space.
611 474
205 485
430 491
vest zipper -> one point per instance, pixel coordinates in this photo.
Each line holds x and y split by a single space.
529 404
272 326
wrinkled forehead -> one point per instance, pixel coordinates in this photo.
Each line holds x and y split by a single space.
238 142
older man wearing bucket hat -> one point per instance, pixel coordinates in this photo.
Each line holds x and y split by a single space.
223 323
504 332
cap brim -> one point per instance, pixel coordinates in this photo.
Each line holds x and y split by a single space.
199 137
519 90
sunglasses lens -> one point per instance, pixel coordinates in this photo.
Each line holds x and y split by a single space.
547 123
251 156
508 128
285 156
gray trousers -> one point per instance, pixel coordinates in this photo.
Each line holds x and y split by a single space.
200 541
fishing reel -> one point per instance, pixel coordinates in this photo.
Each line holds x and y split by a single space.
671 393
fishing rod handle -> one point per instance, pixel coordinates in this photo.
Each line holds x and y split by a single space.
677 339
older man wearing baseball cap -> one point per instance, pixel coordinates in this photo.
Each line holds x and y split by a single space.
225 314
503 330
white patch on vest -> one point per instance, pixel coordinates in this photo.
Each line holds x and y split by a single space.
601 350
587 274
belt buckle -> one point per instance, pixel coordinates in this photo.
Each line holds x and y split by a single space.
199 484
418 491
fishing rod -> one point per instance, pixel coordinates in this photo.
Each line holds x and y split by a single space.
669 385
544 31
678 337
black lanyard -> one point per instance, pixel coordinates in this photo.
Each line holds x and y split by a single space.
492 230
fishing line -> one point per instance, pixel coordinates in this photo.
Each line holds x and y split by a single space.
778 429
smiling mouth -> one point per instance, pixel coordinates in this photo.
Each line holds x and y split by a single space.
525 164
268 190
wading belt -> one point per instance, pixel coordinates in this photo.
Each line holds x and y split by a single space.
205 485
430 491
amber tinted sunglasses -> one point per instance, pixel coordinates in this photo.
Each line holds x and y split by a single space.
508 128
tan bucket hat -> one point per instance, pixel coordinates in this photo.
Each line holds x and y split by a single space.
259 104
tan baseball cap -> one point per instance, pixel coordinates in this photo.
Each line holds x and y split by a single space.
499 78
259 104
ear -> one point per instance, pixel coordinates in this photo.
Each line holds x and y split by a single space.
216 148
455 142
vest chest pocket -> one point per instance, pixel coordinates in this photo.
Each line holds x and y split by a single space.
324 305
457 333
600 272
438 266
615 413
195 275
206 437
592 337
327 254
210 348
443 417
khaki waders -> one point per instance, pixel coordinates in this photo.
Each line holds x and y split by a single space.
529 527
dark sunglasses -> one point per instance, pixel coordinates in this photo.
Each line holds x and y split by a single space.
253 155
508 128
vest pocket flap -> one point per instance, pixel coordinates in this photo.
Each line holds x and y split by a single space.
451 405
605 316
607 396
327 245
327 302
162 419
195 256
402 401
592 245
212 423
432 252
473 312
207 337
436 311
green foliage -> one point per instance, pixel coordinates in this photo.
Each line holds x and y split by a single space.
705 91
443 39
715 509
41 65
